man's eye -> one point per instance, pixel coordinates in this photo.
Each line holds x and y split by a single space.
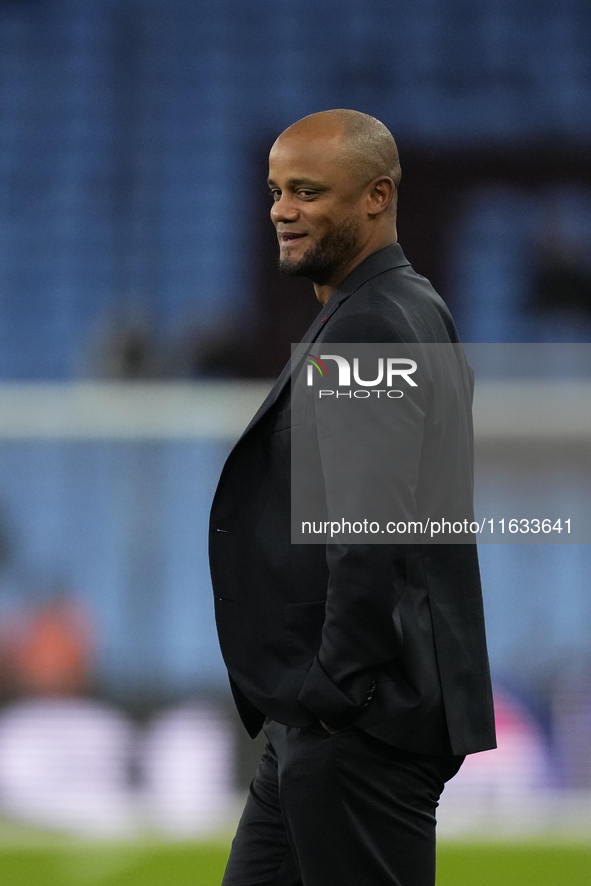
304 193
275 194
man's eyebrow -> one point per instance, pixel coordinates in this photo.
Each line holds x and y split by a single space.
294 182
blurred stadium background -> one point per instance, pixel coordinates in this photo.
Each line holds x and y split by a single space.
141 319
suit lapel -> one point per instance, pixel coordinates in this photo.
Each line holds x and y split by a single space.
298 354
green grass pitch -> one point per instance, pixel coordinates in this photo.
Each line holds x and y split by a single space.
202 864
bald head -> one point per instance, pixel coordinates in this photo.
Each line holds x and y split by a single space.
365 145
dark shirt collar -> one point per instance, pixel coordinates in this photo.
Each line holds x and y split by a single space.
377 263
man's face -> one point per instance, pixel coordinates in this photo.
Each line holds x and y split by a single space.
317 206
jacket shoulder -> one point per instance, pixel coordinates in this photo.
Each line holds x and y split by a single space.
396 305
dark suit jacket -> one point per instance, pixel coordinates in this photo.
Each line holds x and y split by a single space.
311 632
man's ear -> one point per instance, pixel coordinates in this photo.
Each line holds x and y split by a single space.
381 192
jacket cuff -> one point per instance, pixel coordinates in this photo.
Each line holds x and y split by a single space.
326 701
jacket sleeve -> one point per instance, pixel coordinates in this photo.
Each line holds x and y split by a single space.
359 634
366 581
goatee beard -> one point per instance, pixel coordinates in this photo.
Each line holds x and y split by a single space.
319 262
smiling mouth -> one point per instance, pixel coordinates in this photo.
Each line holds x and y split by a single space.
289 239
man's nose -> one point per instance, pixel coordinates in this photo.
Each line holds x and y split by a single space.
284 209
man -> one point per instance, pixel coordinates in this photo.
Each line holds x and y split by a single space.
365 664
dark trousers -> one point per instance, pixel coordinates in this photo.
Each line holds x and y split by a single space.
338 810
